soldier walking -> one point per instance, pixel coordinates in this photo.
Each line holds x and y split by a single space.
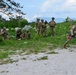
71 35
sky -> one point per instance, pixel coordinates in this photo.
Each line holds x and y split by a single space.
48 8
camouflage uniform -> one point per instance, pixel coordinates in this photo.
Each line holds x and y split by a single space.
23 36
38 26
19 34
73 30
71 35
5 33
43 28
27 34
52 26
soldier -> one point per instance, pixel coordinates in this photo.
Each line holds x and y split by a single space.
71 35
43 28
5 33
19 34
52 26
23 36
38 26
27 34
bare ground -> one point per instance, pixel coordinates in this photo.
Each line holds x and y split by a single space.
61 63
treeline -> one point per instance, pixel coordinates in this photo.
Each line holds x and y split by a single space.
13 23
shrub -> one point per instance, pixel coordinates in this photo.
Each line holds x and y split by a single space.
2 24
23 22
33 24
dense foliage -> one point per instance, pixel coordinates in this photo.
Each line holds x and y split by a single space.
23 22
13 23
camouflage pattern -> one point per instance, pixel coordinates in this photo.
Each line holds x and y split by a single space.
19 34
27 34
68 40
38 26
5 33
43 28
52 25
73 30
72 34
23 36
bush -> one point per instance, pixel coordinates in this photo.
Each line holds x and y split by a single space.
2 24
23 22
33 24
11 23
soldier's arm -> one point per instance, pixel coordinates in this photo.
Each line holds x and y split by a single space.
55 22
71 31
36 25
2 32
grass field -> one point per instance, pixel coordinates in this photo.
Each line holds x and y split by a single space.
36 43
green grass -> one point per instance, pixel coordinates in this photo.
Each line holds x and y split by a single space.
52 52
36 43
43 58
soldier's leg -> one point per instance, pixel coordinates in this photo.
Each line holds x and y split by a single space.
44 32
7 37
51 31
66 43
21 36
37 32
54 32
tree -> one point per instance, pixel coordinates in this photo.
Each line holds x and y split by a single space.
69 19
8 7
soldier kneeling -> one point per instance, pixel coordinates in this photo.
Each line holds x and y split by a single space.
27 34
19 34
5 33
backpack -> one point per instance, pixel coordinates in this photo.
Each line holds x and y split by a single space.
52 23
